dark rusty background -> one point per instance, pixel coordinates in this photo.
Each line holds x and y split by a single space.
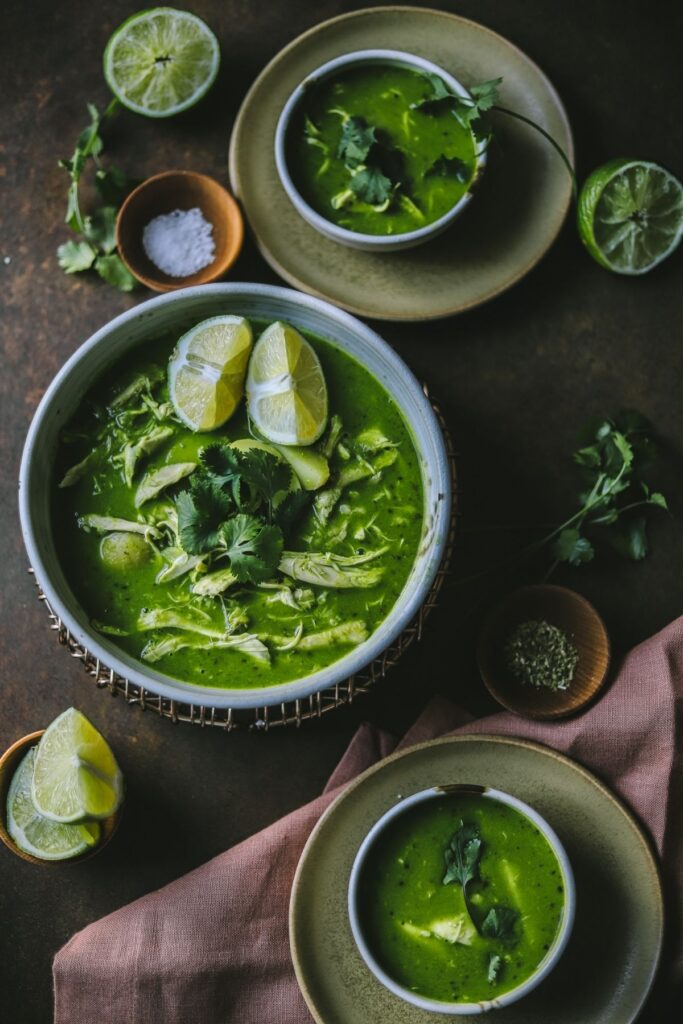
516 380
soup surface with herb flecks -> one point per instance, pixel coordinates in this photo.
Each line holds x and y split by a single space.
125 563
456 942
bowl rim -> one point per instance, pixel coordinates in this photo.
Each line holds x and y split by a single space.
220 265
400 615
552 955
328 227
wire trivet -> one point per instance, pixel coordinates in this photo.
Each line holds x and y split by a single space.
292 712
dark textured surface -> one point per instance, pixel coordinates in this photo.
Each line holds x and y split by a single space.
516 379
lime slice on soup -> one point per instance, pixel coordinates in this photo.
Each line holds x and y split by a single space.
37 835
206 371
630 215
161 61
75 775
286 390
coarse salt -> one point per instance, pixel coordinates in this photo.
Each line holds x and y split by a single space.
179 243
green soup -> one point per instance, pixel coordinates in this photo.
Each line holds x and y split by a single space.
425 155
302 625
422 932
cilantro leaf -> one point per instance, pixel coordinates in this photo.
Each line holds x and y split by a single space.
75 256
500 923
253 549
450 166
292 508
485 94
113 185
100 229
469 110
201 512
571 547
357 139
222 461
265 474
462 855
256 476
629 539
494 969
112 270
371 186
437 99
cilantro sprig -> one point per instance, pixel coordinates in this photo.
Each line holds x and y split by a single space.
252 547
499 923
94 247
375 166
462 860
614 501
614 497
238 508
471 111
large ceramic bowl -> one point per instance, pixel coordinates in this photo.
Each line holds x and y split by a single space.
542 969
175 312
355 239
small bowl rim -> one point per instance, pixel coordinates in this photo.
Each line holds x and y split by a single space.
328 227
17 750
220 266
542 969
489 681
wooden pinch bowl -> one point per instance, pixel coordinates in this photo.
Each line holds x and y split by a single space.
9 762
563 608
179 190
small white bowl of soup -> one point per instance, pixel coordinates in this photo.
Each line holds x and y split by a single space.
371 153
461 899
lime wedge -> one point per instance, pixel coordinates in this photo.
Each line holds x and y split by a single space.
161 61
75 775
286 390
206 371
37 835
630 215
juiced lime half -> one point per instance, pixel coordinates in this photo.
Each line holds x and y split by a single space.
630 215
161 61
75 775
286 390
206 371
37 835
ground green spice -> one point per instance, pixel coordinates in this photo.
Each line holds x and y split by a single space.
540 654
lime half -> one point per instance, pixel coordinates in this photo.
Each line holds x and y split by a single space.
207 369
161 61
75 776
37 835
630 215
286 390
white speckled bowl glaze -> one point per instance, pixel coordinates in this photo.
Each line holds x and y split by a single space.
176 312
355 239
549 960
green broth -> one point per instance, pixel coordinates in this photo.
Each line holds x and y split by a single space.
382 95
394 503
402 896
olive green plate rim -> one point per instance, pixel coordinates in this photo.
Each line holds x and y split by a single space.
350 305
366 778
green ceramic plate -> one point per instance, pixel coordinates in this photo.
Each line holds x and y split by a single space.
608 967
523 198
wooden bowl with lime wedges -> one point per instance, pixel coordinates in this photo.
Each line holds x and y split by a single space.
40 839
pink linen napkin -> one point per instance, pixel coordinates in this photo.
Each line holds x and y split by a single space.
212 947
